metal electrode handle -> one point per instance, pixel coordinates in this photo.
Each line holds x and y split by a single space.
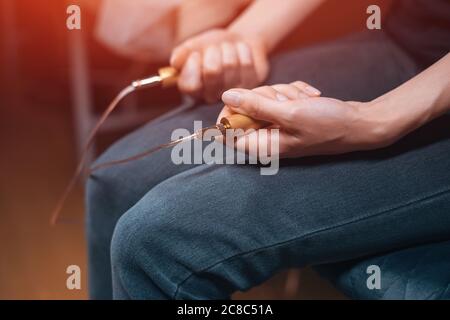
169 76
240 121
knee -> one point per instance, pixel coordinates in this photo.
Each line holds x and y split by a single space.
147 233
142 252
127 238
157 243
172 233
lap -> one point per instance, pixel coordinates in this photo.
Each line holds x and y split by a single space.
360 67
122 185
233 223
316 207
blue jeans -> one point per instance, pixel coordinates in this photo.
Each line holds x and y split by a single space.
206 231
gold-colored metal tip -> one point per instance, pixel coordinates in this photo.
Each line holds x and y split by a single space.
146 82
168 76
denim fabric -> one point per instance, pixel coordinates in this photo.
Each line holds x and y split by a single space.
417 273
205 231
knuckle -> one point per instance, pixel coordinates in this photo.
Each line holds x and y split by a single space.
256 107
229 62
284 88
194 59
292 114
246 63
227 48
251 105
211 71
266 91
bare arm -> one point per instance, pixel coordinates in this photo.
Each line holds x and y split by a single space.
416 102
219 59
272 20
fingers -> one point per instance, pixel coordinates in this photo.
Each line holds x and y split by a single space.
266 91
181 53
297 90
290 91
212 73
207 73
263 103
179 56
271 93
276 104
251 142
230 64
190 80
255 105
260 62
284 92
279 92
209 70
307 89
224 63
247 72
216 68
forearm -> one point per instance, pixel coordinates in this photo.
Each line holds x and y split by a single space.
416 102
272 20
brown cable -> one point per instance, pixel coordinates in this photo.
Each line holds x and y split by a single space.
140 155
79 170
167 76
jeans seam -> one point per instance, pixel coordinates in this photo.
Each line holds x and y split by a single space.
312 233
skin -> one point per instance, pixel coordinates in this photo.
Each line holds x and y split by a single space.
237 56
312 125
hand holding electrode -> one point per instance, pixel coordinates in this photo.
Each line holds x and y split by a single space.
309 124
217 60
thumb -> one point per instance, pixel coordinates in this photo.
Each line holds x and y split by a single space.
254 105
